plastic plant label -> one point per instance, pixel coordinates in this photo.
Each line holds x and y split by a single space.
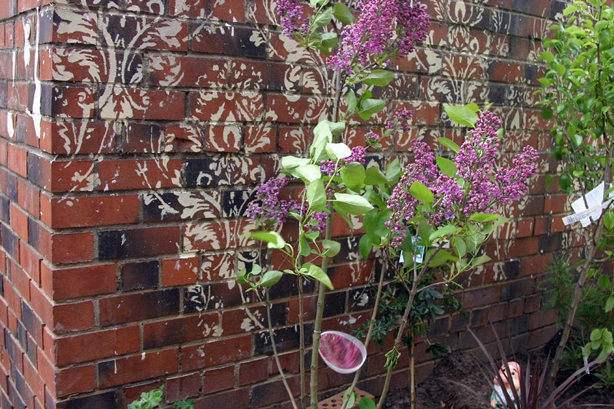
342 352
418 258
584 214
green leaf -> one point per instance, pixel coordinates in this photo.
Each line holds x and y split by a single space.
274 239
379 78
292 162
447 166
336 128
609 219
459 246
351 99
324 18
604 282
316 196
422 193
270 278
478 261
609 304
570 9
332 247
241 276
353 176
374 176
343 13
366 403
547 112
338 151
304 248
370 107
308 173
475 107
329 40
564 182
443 231
365 245
317 273
322 135
546 56
393 171
441 258
484 217
461 115
449 144
353 204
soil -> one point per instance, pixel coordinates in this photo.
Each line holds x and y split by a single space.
460 381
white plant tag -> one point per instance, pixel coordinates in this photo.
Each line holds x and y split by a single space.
586 215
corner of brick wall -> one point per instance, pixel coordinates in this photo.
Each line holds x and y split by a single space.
121 216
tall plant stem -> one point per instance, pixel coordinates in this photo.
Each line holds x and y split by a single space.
412 374
301 326
404 323
317 325
275 354
378 298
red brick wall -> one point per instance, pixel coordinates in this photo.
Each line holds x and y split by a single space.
131 135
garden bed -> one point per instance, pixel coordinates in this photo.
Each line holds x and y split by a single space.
440 390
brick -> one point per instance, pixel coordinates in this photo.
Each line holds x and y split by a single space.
239 397
136 368
98 345
72 248
181 271
480 296
216 353
74 138
139 275
94 211
221 138
28 198
180 330
134 307
148 104
181 387
75 380
78 282
73 317
184 205
18 160
160 34
239 41
226 106
139 174
135 243
220 379
103 400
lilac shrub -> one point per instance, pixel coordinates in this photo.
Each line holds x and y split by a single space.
479 186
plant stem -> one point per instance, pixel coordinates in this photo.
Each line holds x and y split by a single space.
275 354
405 321
317 325
301 326
378 298
412 375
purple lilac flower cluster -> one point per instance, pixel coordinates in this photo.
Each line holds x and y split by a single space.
268 210
317 221
329 167
400 120
485 187
293 19
385 28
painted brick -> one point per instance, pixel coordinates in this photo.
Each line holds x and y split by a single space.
135 243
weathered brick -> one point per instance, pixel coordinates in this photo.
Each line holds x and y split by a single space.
180 330
135 307
93 346
134 243
94 211
139 367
